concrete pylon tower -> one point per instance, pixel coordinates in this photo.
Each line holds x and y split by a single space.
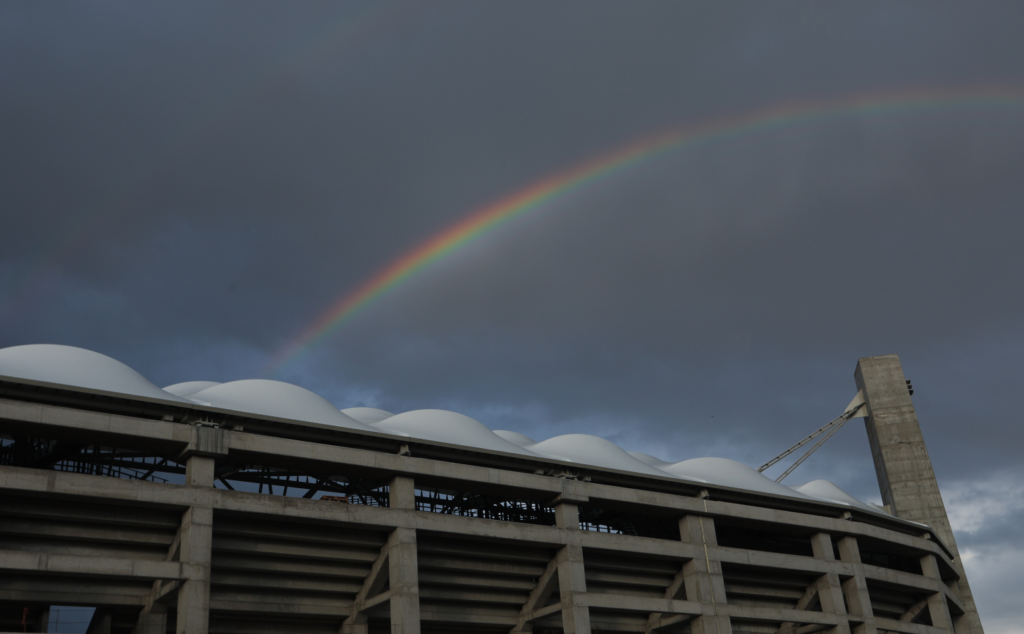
905 475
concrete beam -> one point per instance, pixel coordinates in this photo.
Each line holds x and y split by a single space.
627 603
702 576
70 596
891 625
375 580
572 578
856 588
536 603
675 591
21 561
313 455
196 549
404 580
938 609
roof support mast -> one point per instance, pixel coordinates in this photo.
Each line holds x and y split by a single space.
905 475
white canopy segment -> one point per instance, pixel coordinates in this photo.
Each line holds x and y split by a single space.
592 450
515 437
649 460
274 398
449 427
76 368
731 474
368 415
189 387
825 490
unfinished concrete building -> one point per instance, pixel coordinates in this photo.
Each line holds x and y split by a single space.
257 507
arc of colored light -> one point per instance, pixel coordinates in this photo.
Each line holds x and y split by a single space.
537 194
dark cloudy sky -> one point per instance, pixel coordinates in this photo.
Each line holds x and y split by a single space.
187 186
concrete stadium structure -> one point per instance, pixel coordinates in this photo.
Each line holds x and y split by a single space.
258 507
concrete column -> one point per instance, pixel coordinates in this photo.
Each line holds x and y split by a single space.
196 542
101 622
906 478
856 589
152 621
403 566
402 493
572 578
567 516
403 573
702 576
830 589
43 621
938 609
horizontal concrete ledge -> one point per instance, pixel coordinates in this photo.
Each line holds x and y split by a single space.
258 447
625 603
21 561
544 612
34 481
907 628
804 617
34 597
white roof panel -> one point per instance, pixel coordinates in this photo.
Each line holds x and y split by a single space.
593 450
730 473
449 427
189 387
76 367
515 437
825 490
368 415
274 398
649 460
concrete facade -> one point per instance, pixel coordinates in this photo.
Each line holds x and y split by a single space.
906 478
402 550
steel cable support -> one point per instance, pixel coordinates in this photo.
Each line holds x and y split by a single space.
829 429
842 421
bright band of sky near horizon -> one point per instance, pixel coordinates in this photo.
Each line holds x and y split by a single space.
534 196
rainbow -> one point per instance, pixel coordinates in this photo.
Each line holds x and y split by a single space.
536 195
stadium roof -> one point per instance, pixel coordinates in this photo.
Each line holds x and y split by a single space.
66 366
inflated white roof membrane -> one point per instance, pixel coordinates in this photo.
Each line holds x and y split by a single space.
189 387
649 460
825 490
368 415
78 368
730 473
274 398
75 367
449 427
515 437
593 450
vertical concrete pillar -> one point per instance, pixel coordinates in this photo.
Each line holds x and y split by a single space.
938 609
702 576
402 493
572 579
403 565
856 589
152 621
906 478
830 590
196 542
43 621
101 622
403 574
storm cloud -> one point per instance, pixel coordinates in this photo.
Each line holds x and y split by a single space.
186 187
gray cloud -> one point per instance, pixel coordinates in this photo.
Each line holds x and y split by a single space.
187 186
